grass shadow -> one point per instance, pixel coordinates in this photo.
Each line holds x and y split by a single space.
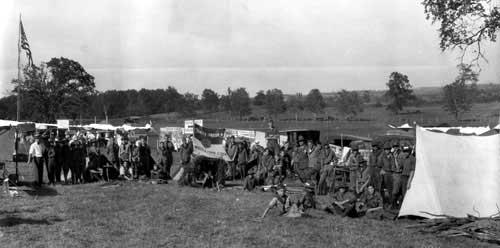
17 211
40 191
10 221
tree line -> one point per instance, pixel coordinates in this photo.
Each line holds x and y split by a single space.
61 88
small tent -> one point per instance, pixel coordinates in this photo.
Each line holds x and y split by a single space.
454 175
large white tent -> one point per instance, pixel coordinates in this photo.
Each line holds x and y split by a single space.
454 175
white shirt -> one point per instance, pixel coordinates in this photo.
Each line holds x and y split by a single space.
36 150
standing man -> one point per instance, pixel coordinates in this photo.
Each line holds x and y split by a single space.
144 156
397 170
232 152
300 160
112 152
266 163
164 169
136 159
51 161
287 158
66 158
327 168
353 163
386 163
402 178
59 159
170 157
314 155
373 166
37 150
72 162
242 159
124 154
272 137
186 150
82 154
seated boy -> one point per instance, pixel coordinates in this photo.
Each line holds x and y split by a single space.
280 200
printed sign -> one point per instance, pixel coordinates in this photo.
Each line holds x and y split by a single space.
189 125
63 124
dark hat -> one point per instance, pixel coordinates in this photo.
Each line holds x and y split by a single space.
301 138
387 146
376 144
395 144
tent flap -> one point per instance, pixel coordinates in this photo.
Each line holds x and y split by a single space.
454 175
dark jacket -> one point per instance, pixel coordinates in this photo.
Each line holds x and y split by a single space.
186 150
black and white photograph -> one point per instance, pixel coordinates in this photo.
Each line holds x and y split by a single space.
249 123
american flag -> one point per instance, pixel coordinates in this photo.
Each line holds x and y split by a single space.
24 44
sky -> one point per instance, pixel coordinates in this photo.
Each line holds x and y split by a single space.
293 45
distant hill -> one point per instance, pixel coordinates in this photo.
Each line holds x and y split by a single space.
427 92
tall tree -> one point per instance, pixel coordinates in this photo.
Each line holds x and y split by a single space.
240 103
314 102
349 103
210 100
295 104
465 23
61 87
260 98
458 96
399 93
172 100
366 96
225 101
275 102
189 104
8 107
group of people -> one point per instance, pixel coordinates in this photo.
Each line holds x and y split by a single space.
376 187
77 159
376 182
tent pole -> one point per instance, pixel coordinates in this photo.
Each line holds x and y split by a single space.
16 143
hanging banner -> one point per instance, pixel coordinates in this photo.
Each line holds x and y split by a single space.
245 134
208 142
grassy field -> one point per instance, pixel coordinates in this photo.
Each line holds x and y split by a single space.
140 214
133 214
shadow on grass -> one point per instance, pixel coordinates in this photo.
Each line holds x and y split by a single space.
40 191
16 211
10 221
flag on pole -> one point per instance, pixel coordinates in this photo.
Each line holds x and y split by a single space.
24 44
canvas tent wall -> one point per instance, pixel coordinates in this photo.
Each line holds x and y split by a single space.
454 175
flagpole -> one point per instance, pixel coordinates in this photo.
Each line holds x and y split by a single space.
18 99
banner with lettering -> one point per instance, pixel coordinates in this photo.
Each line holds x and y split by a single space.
208 142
